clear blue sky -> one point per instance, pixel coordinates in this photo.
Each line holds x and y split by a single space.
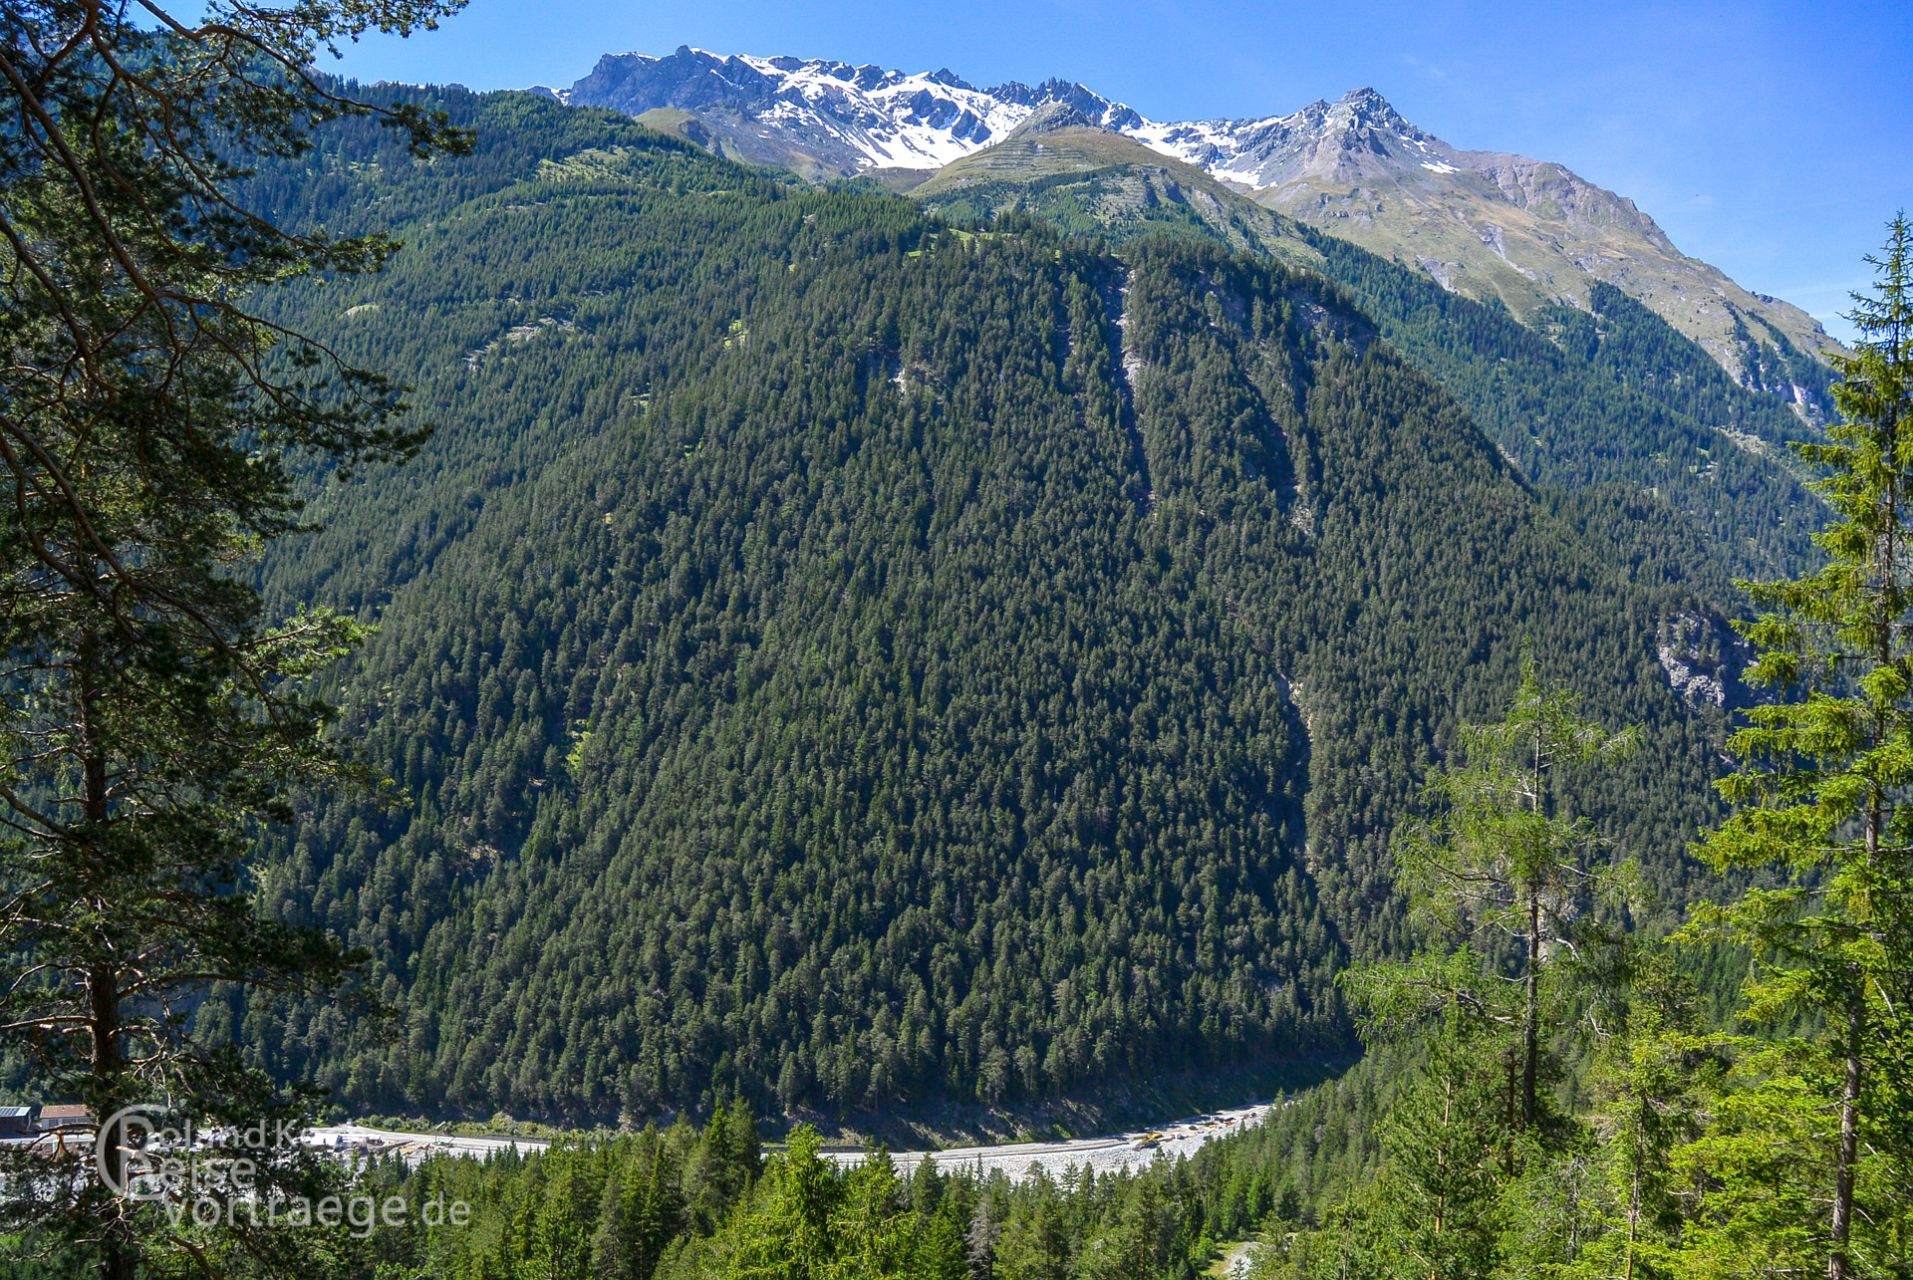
1772 139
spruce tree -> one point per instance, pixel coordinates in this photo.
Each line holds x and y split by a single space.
872 1229
1822 801
786 1235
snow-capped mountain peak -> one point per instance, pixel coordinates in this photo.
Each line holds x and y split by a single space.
1479 222
838 118
846 118
1344 140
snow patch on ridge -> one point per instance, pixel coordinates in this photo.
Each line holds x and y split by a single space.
868 117
916 121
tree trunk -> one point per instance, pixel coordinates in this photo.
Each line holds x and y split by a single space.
1635 1158
103 998
1441 1159
1848 1153
1531 995
1531 1012
103 1020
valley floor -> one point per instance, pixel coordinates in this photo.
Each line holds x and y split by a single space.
1109 1153
358 1140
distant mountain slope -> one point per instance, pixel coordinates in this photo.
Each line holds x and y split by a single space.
1090 181
1605 395
1485 224
1489 224
851 660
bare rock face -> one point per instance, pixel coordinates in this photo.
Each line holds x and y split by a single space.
832 119
1703 660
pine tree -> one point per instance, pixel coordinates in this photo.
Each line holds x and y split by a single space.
151 422
610 1239
653 1212
1822 796
721 1165
562 1231
1034 1243
1436 1197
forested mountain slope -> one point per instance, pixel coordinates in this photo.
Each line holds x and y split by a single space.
848 659
1608 397
1528 234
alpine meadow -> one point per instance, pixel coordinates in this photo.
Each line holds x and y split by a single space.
767 667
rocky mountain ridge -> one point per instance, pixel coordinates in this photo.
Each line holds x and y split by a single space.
1487 224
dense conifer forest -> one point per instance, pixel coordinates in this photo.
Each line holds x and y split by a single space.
846 659
1609 399
833 661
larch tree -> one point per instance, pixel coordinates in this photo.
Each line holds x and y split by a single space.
1504 861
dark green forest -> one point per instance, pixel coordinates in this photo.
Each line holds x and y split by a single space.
1611 399
828 662
841 658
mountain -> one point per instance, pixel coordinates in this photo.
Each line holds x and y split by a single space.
828 118
1491 224
1088 180
848 659
1485 224
1606 394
